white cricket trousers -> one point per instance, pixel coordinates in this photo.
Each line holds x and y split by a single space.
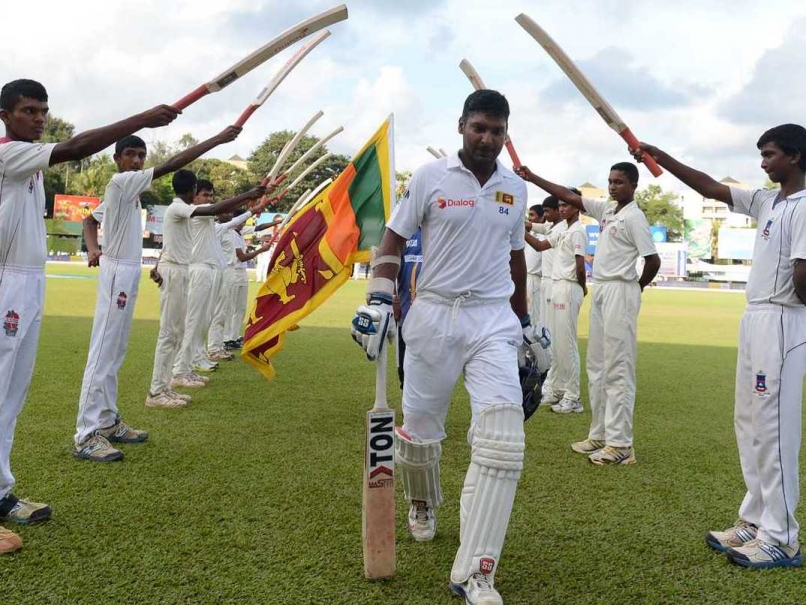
566 297
545 302
443 340
201 279
767 417
173 307
223 311
533 293
611 360
22 296
239 293
118 284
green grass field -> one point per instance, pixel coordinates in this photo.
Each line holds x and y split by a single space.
253 494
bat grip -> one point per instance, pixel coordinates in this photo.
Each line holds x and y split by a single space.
649 161
380 377
191 98
516 161
245 115
277 180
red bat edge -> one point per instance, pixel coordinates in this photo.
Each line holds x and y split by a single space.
192 97
516 161
246 114
649 161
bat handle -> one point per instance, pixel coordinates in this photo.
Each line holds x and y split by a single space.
380 377
649 161
191 98
245 115
516 161
277 180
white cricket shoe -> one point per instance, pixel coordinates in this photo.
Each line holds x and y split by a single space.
199 377
550 397
162 400
180 396
478 590
422 521
188 381
740 534
568 406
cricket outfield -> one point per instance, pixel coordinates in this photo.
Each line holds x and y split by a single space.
253 494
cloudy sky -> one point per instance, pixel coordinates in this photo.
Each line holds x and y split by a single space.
702 79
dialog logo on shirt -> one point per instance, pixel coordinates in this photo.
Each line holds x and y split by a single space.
766 233
443 203
504 198
11 323
122 298
761 384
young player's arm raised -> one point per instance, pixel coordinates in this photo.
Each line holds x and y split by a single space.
229 134
558 191
227 205
698 181
88 143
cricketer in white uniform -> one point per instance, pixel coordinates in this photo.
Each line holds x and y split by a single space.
225 301
567 293
98 421
616 300
772 351
471 210
534 266
24 110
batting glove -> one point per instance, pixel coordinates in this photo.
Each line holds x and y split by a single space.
537 341
374 323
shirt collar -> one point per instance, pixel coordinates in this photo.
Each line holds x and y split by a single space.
799 195
454 163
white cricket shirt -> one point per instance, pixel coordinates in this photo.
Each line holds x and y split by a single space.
623 237
177 241
469 230
568 244
205 250
119 215
534 259
238 243
225 242
23 240
780 239
549 255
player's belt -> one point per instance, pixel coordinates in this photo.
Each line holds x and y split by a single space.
465 298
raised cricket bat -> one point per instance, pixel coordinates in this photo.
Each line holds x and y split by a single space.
264 53
280 76
378 528
602 107
478 84
434 152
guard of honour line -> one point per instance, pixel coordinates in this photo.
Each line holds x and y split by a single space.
506 314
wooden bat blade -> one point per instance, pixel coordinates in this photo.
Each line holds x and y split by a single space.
472 74
290 65
602 107
264 53
378 519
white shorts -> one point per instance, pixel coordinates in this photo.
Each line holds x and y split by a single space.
442 342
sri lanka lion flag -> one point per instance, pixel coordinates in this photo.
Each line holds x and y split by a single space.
319 245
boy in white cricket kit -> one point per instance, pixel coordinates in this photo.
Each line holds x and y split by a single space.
224 304
624 236
534 264
171 275
772 350
567 292
98 421
240 282
465 319
24 110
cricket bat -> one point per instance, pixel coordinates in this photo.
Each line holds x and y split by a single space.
280 76
602 107
478 84
264 53
378 527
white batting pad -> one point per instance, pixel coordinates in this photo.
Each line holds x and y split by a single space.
496 462
418 468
